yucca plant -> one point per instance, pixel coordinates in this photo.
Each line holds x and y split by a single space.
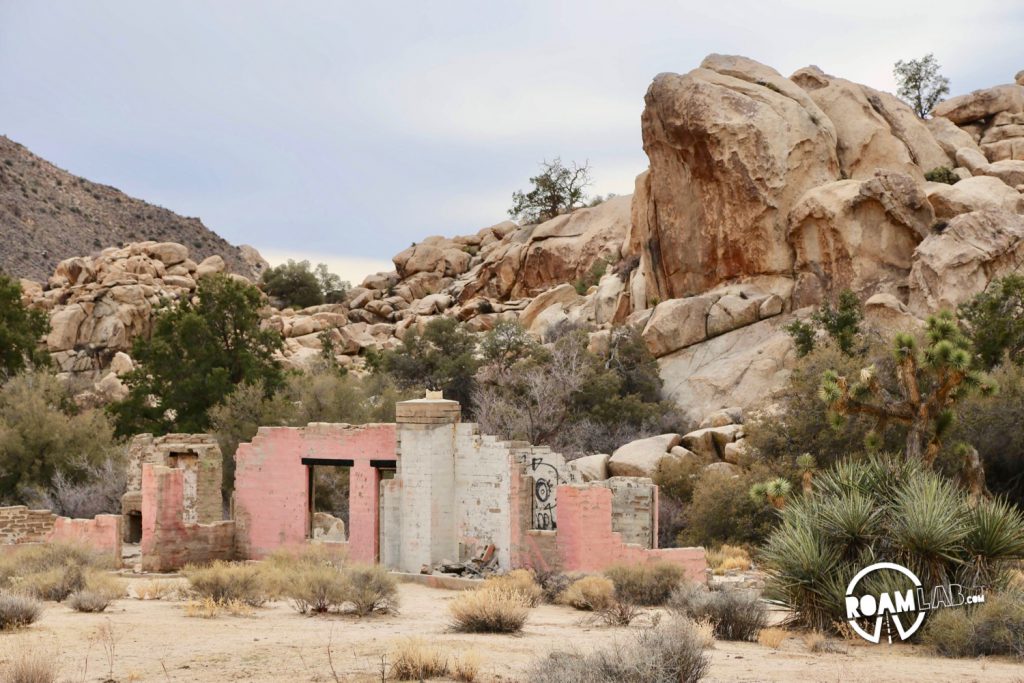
883 509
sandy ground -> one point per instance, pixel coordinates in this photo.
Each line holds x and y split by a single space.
157 641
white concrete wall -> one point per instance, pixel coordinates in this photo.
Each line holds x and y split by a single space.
483 494
426 466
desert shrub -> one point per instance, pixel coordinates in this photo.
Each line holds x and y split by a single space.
650 583
54 584
208 608
316 588
87 600
553 583
158 589
819 643
465 668
670 652
798 422
558 189
991 424
416 660
727 557
226 582
97 490
499 609
97 592
521 581
18 610
995 627
772 637
721 511
733 614
53 569
43 434
942 174
994 321
617 613
589 593
370 588
884 508
32 667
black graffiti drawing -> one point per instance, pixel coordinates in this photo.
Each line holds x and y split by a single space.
543 488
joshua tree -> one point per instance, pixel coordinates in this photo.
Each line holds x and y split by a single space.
806 465
774 491
930 382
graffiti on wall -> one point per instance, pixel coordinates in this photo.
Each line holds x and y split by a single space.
545 479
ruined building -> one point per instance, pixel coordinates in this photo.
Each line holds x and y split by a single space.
424 491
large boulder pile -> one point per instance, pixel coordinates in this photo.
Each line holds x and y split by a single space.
765 195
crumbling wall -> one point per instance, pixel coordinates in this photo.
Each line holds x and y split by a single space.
198 454
483 473
169 541
272 507
586 541
20 525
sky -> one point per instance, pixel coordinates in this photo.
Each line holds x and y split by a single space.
342 132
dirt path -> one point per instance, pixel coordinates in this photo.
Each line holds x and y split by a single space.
157 642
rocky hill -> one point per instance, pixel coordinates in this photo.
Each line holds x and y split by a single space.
48 214
764 195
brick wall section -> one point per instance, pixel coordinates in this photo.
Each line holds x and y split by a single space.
586 542
272 486
19 525
145 449
168 542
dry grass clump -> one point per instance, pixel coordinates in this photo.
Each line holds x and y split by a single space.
317 586
819 643
208 608
316 589
32 667
489 609
17 611
96 594
648 584
228 582
727 558
666 653
995 627
521 581
159 589
51 571
416 660
590 593
772 637
735 614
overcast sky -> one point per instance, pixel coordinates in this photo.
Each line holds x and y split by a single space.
344 131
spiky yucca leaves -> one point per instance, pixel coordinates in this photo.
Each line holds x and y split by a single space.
930 381
995 535
883 509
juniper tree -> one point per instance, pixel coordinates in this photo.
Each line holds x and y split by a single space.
929 380
920 84
558 189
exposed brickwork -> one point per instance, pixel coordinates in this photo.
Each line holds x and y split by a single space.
168 541
20 525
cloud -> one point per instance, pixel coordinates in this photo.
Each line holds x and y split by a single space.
351 268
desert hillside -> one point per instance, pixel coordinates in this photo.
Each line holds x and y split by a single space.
48 214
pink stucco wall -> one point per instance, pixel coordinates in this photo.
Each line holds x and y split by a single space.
272 485
168 542
585 542
101 533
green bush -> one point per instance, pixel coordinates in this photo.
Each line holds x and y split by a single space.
884 508
721 511
20 331
994 321
993 628
43 435
942 174
648 584
297 285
